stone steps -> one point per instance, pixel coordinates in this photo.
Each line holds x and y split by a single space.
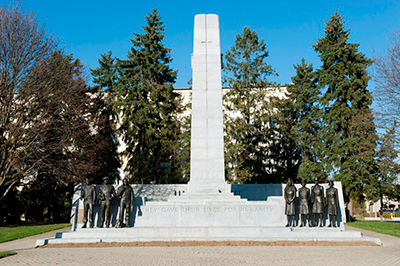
234 233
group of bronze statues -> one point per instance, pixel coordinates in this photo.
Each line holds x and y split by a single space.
316 197
313 215
105 195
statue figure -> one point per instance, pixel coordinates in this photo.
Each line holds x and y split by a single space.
106 193
318 204
290 208
125 192
332 201
88 195
304 200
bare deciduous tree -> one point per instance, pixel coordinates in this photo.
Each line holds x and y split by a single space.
68 119
387 77
24 46
50 126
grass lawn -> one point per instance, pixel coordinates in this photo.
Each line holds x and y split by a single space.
5 254
387 228
17 232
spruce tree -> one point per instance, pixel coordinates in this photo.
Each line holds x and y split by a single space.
185 142
388 168
349 132
287 153
302 98
148 107
247 109
105 79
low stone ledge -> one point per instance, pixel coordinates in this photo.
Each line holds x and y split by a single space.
212 243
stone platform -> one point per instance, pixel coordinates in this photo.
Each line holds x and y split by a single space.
172 206
169 213
233 233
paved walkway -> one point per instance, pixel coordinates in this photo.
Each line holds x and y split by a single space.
387 254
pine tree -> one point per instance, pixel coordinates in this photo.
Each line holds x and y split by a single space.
349 132
247 112
149 107
303 96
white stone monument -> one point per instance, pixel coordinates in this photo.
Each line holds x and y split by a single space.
207 173
205 208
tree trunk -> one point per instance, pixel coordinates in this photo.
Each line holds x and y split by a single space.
350 208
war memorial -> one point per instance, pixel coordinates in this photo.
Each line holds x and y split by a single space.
207 208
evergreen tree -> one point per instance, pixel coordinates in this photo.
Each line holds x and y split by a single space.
148 107
105 79
387 168
287 155
349 132
302 98
247 110
186 122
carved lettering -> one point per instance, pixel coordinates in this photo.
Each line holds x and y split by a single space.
230 209
149 209
190 209
208 209
169 209
255 208
211 209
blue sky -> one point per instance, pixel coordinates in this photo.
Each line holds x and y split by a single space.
88 28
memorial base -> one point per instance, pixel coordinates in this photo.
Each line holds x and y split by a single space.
233 233
170 213
211 210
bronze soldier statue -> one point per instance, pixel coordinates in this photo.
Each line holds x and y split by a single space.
318 203
106 194
332 201
290 207
125 192
304 206
88 195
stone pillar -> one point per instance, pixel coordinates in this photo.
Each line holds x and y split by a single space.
207 174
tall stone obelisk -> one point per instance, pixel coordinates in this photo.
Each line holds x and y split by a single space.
207 173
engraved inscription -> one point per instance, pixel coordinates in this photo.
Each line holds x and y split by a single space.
211 209
190 209
205 209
